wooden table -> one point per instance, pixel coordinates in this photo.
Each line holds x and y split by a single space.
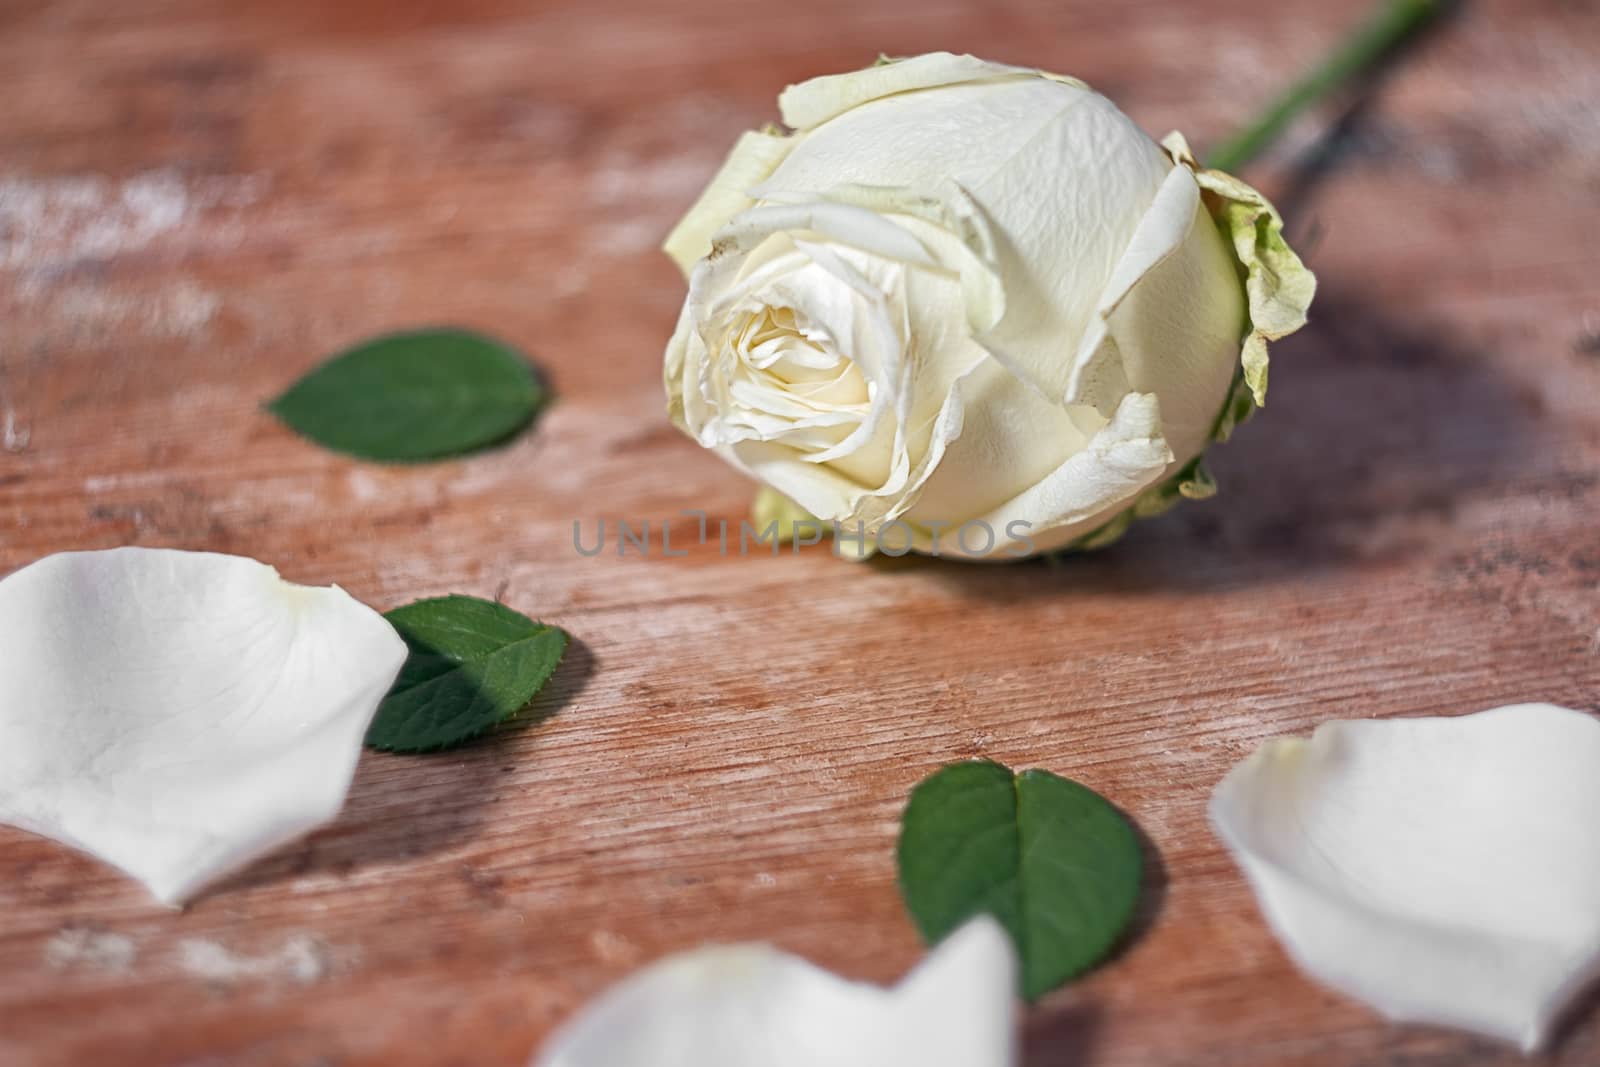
199 201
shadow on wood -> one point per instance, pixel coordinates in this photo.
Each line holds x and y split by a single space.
1375 434
405 807
1061 1030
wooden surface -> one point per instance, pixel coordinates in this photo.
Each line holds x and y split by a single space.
198 201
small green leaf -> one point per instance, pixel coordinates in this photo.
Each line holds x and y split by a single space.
772 508
1053 861
473 664
414 396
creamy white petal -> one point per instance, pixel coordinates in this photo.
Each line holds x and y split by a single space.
958 1007
1169 322
754 1006
751 161
955 235
1443 870
845 223
813 102
819 489
675 363
994 435
179 714
1119 461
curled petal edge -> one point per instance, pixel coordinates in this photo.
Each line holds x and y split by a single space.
755 156
1120 462
1278 286
1278 291
809 104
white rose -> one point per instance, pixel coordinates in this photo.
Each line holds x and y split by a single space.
962 294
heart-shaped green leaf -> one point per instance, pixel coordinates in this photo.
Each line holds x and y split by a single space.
472 664
1053 861
414 396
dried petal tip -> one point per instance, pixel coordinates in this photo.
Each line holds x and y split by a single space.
1443 870
1278 286
740 1005
179 714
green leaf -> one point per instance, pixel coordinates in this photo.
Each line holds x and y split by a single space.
473 664
414 396
1053 861
772 508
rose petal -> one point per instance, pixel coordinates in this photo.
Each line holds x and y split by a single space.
179 714
754 156
1119 461
1167 322
742 1005
953 232
813 102
1443 870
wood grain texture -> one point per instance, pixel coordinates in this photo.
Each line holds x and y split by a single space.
200 200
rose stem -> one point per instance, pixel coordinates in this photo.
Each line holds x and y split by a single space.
1393 23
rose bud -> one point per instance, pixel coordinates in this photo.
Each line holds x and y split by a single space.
973 309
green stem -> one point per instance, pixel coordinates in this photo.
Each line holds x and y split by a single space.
1394 22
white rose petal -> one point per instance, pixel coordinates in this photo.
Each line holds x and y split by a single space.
751 160
1443 870
748 1005
811 103
179 714
957 291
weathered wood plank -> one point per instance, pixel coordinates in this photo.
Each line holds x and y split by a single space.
198 201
